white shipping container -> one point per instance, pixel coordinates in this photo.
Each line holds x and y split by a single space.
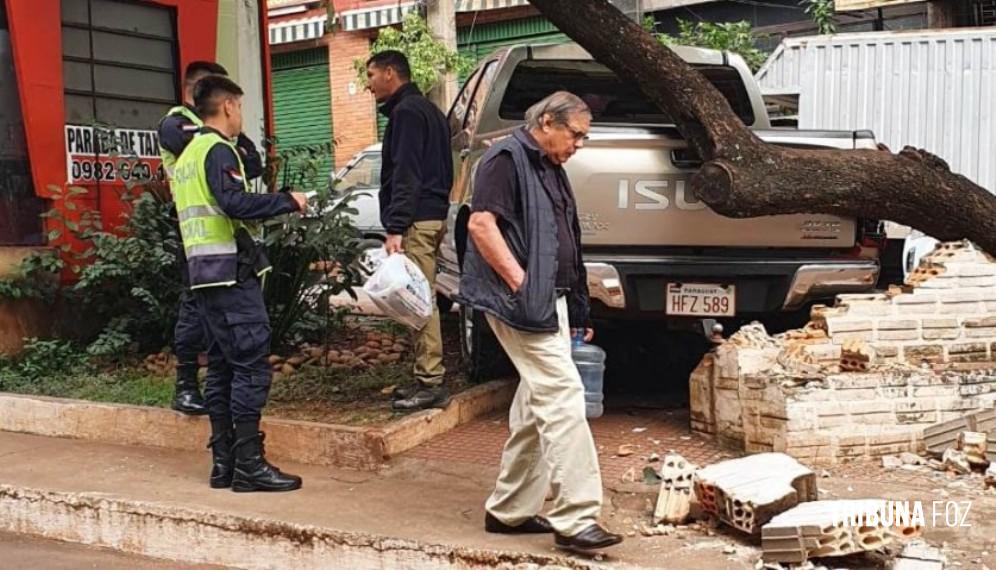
932 89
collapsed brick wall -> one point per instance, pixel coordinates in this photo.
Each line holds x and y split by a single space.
946 312
789 393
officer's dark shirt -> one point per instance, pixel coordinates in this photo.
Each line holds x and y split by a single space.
176 132
224 179
496 190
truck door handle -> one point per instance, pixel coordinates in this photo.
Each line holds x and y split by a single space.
464 153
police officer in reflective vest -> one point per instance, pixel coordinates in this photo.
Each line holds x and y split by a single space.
226 266
176 130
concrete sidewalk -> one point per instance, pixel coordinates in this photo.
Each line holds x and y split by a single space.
20 551
416 514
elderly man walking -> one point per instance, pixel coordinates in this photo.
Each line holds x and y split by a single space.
523 269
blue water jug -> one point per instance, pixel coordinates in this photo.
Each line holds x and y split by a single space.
590 361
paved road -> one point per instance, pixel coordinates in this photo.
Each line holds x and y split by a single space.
18 551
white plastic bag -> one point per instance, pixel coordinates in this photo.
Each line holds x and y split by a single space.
401 291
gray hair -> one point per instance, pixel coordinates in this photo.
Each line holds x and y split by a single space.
560 106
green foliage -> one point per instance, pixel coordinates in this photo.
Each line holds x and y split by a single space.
313 256
128 279
40 359
737 37
35 277
821 11
649 24
124 385
427 57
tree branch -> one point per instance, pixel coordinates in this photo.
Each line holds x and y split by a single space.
744 177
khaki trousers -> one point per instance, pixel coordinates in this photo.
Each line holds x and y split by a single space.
421 242
550 446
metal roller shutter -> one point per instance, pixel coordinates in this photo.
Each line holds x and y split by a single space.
480 41
302 104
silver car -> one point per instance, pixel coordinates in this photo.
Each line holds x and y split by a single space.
361 179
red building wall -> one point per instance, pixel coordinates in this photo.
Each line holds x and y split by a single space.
36 37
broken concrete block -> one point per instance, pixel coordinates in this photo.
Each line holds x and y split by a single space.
746 492
833 528
918 555
911 458
797 360
955 460
753 335
973 445
626 449
940 437
675 498
891 462
856 356
943 436
991 446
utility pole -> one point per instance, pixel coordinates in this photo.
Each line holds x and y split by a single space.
441 16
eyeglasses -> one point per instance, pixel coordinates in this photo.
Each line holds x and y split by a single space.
576 134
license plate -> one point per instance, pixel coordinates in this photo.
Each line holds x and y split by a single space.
701 300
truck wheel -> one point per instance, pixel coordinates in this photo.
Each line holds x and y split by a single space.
483 358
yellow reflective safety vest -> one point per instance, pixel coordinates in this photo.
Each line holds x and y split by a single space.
169 159
209 235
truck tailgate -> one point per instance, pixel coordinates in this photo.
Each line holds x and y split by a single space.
630 192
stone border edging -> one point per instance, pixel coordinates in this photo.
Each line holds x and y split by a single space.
314 443
207 536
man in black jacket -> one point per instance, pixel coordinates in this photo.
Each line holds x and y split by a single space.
415 179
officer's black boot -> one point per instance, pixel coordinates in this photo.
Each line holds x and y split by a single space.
252 471
221 444
188 399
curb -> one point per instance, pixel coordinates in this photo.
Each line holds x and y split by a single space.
204 536
364 448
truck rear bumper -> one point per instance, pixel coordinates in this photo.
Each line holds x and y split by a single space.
636 285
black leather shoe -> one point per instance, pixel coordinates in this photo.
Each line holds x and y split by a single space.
424 398
592 538
535 525
404 392
223 460
188 400
254 473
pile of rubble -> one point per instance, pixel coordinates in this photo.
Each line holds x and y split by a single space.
773 498
962 447
865 377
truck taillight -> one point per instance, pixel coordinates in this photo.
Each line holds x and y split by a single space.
869 242
871 233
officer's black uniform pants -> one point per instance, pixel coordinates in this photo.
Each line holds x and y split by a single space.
189 338
238 380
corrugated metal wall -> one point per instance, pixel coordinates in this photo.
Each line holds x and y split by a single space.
478 42
930 89
302 102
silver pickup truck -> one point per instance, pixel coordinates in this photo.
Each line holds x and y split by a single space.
651 249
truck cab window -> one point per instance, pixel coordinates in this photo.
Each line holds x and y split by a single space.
610 100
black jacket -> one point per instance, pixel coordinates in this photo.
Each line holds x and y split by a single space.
533 241
417 167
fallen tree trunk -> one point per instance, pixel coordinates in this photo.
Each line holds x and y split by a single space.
744 177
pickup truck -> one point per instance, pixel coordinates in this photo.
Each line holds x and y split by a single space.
653 251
